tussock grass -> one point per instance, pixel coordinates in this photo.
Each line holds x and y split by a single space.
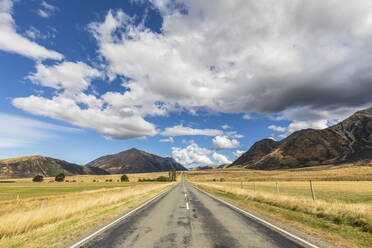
26 215
354 215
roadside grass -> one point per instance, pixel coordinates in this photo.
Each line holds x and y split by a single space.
346 172
58 233
29 214
330 191
342 223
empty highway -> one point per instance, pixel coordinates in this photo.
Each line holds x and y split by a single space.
187 217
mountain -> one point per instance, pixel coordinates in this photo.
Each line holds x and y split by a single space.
258 150
38 165
347 141
209 167
135 161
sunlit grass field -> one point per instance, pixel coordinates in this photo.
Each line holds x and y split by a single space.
33 213
346 172
341 212
330 191
24 187
9 191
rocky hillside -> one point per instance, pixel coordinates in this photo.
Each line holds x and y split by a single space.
38 165
135 161
347 141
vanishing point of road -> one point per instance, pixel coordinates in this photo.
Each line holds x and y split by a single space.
187 217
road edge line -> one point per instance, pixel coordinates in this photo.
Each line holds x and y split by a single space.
268 224
77 244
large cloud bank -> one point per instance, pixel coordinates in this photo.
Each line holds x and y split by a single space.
308 60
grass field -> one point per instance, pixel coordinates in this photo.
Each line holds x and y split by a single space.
24 187
343 224
9 191
133 177
44 209
347 172
341 212
330 191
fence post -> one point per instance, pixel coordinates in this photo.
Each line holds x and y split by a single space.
42 204
312 190
277 188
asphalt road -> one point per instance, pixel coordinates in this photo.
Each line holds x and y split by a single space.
186 217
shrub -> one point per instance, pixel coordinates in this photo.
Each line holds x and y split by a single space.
67 181
124 178
94 180
60 177
163 179
38 178
222 179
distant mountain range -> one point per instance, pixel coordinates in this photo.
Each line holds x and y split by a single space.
38 165
347 141
209 167
135 161
130 161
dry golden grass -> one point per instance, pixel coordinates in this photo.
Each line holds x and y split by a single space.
344 191
18 159
133 177
346 172
356 215
60 233
27 214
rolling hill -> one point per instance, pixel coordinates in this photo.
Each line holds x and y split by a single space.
135 161
38 165
346 142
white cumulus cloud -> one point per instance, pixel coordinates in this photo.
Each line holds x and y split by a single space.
119 124
71 76
220 158
199 61
267 57
192 154
238 153
277 128
180 130
11 41
223 142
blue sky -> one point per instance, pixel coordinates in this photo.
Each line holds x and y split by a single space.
198 81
